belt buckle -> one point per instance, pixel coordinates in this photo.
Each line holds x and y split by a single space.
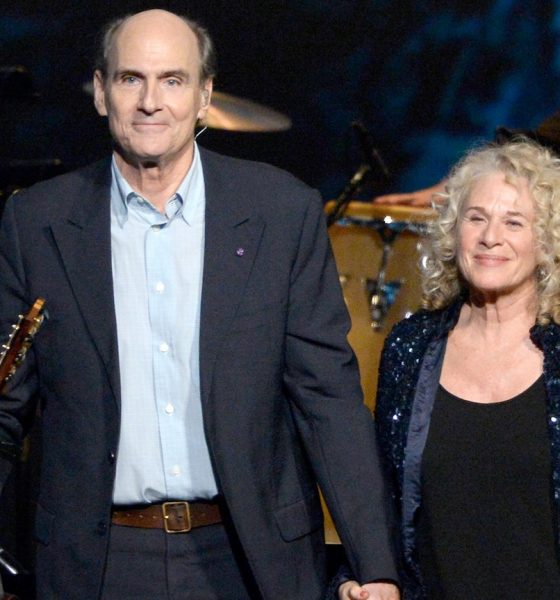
167 506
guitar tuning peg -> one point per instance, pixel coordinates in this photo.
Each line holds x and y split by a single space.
12 352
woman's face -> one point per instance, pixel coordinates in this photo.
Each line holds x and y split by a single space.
496 250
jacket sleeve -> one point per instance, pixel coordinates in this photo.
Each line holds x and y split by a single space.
18 401
387 428
324 387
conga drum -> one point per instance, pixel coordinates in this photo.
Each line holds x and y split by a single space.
377 252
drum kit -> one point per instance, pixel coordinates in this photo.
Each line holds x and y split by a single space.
377 251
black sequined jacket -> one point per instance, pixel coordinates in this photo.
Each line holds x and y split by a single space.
408 378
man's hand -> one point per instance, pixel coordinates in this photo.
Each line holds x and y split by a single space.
352 590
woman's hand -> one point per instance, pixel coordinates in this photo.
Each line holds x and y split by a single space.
352 590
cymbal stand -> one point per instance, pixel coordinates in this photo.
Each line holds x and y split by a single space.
381 294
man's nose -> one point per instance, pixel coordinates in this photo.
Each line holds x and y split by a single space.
149 100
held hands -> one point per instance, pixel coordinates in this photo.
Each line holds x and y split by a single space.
352 590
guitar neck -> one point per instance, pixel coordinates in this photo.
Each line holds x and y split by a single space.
13 351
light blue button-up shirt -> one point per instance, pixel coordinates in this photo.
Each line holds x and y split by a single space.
157 265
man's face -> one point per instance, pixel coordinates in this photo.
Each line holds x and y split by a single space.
152 95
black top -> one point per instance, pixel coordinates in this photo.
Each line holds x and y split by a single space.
485 527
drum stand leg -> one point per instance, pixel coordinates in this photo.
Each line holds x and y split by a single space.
381 295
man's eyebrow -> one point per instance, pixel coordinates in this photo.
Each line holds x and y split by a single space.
179 73
127 72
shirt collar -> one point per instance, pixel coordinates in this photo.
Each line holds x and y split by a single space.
190 193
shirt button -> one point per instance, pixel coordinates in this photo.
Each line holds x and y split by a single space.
160 286
163 347
176 470
111 457
170 409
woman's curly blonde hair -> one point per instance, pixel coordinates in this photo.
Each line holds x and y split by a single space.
520 158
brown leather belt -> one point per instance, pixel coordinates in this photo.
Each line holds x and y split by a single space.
173 517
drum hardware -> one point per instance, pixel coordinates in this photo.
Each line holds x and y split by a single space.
352 188
381 295
376 248
373 164
369 151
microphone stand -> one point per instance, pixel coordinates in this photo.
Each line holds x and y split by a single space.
351 189
373 162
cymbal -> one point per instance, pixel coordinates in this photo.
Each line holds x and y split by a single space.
239 114
236 114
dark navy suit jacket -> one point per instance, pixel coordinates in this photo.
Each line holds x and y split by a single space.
280 388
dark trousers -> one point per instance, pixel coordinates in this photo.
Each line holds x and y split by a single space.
149 564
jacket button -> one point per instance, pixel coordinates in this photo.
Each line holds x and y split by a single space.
111 457
101 528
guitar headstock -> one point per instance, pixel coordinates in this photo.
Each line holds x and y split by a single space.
13 352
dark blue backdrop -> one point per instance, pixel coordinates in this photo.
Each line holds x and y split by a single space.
428 78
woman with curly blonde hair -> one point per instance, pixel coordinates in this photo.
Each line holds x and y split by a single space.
468 405
521 159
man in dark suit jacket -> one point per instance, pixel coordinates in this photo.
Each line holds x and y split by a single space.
274 400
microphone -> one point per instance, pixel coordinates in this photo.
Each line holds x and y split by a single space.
369 152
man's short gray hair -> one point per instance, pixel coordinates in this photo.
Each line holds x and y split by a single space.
205 46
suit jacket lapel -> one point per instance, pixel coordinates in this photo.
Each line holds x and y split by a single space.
232 236
84 242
